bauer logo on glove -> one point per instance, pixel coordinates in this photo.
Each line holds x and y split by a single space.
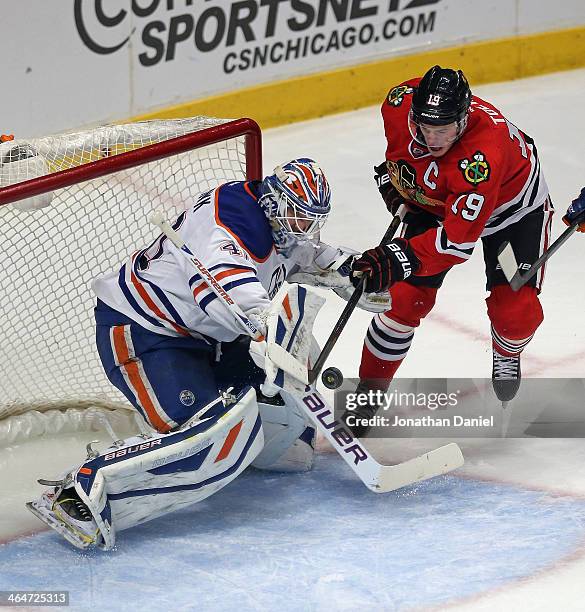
389 193
385 265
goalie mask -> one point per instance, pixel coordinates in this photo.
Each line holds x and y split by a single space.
296 199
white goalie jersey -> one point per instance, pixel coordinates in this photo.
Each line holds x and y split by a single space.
228 231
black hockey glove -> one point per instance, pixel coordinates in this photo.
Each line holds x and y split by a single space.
389 193
384 265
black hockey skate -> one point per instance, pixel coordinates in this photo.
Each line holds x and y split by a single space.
506 376
70 503
353 419
63 511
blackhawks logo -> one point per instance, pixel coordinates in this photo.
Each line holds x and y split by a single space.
475 170
403 177
397 94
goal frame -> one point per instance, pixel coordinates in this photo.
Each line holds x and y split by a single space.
19 420
123 161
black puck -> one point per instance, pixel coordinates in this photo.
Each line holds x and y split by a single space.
332 378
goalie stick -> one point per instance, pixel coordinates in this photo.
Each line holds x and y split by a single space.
377 477
351 304
507 258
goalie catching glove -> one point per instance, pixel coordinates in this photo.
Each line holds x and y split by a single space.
385 265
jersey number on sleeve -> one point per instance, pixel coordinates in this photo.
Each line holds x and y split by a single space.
472 206
516 135
156 249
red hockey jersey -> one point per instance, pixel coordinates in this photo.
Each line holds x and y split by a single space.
489 179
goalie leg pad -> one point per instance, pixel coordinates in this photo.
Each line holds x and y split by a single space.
289 436
142 478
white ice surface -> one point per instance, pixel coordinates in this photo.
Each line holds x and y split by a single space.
506 532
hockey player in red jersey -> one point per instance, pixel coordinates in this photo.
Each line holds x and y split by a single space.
464 173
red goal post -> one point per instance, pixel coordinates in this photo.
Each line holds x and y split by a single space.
97 188
109 164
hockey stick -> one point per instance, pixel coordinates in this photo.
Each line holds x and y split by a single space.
377 477
507 258
350 306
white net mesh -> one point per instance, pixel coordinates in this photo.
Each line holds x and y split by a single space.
49 257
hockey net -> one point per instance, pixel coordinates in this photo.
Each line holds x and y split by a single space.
97 188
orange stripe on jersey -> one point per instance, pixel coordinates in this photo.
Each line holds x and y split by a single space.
201 287
232 233
120 346
229 442
85 471
133 373
150 303
230 272
287 308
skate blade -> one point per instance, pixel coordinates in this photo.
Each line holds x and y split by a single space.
47 517
506 418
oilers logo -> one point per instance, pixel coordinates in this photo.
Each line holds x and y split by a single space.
186 397
475 170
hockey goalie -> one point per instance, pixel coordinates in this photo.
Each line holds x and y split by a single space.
213 401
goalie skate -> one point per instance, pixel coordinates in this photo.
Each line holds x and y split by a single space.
63 512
